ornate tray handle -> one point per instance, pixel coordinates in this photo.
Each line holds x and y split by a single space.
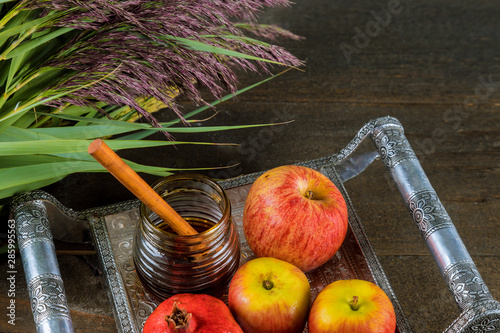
479 311
45 285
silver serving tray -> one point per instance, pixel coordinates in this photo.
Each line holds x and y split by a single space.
112 229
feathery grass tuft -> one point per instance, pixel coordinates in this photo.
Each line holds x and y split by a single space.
72 71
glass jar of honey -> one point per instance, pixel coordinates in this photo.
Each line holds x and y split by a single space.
167 263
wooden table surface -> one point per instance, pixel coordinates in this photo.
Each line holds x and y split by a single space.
434 65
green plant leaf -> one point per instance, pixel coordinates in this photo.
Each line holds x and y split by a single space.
33 43
23 160
98 131
14 16
83 132
136 135
229 96
76 110
145 133
199 46
74 146
6 192
25 173
113 126
5 34
14 133
103 121
24 178
28 176
240 38
13 68
13 115
205 129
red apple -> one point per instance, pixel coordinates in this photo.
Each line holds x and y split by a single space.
268 295
295 214
352 306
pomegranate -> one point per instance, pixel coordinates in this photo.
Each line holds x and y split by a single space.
189 313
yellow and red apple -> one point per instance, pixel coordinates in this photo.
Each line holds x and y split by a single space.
295 214
352 306
268 295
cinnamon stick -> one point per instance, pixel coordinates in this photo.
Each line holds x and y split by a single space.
135 184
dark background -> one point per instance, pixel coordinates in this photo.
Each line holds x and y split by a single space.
435 66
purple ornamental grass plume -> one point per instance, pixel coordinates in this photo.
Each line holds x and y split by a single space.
138 41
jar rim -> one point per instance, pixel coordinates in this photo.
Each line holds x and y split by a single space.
226 214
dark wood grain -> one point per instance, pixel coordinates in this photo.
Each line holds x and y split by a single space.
435 67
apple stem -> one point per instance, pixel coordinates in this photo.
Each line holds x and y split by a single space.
354 303
310 195
268 285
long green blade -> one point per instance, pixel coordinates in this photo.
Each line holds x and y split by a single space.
14 133
136 135
98 131
145 133
200 46
23 160
103 121
75 146
13 68
4 35
17 179
34 43
111 125
229 96
240 38
6 192
25 177
83 132
19 111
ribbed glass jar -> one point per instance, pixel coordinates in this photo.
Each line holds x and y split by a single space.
167 263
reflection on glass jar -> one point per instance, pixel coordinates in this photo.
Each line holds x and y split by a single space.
167 263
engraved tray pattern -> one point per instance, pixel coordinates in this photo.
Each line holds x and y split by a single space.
113 228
